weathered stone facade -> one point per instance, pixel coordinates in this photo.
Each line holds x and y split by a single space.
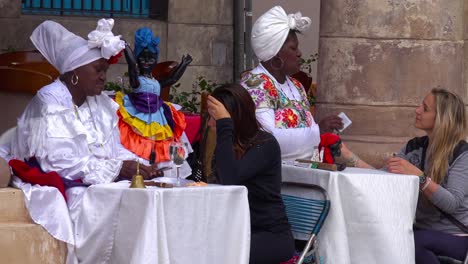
379 58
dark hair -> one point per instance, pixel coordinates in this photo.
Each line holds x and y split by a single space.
241 107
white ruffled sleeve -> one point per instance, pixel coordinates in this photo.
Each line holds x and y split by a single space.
59 142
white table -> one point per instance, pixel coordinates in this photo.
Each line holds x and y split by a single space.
155 225
371 215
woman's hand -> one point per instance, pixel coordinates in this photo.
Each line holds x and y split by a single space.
330 123
129 168
402 166
216 109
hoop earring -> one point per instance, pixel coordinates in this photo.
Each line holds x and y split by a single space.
281 63
74 79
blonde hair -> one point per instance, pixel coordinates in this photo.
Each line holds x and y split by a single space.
450 127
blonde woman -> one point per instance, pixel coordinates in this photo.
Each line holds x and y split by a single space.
441 160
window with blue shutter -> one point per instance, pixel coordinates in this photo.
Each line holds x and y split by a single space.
103 8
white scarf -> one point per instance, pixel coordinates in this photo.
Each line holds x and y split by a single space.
271 30
67 51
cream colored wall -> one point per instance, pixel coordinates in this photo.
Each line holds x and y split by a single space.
308 42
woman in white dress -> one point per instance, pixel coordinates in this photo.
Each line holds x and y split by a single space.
70 127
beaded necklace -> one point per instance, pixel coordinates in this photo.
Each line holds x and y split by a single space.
291 91
279 86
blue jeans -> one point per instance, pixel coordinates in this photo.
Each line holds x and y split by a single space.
430 243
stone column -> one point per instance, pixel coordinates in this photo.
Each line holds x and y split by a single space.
203 28
377 61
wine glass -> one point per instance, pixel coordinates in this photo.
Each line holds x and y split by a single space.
177 153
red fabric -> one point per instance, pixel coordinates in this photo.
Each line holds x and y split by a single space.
293 260
141 145
179 122
114 59
35 176
326 140
193 126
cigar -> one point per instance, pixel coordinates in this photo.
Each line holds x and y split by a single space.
319 165
159 184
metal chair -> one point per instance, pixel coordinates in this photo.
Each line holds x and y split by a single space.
307 207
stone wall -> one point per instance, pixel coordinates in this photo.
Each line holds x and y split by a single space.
21 240
379 58
202 28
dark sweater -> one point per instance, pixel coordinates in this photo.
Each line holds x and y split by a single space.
259 170
451 196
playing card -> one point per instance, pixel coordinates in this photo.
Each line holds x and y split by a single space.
346 121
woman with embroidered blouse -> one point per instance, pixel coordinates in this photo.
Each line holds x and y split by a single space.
440 159
281 101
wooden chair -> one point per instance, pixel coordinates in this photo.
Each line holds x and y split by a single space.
17 87
18 80
42 67
20 57
31 60
208 141
162 71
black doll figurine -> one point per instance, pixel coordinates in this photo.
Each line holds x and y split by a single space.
142 62
147 123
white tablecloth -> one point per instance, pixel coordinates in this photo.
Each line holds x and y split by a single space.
180 225
371 214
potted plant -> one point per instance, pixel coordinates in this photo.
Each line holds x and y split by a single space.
190 101
305 77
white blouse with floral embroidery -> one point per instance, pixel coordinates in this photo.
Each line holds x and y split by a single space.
283 110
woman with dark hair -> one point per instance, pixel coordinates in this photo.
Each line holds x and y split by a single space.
247 155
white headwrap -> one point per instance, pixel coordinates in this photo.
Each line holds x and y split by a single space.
67 51
271 30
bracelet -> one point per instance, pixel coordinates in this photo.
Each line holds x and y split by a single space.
422 179
426 184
